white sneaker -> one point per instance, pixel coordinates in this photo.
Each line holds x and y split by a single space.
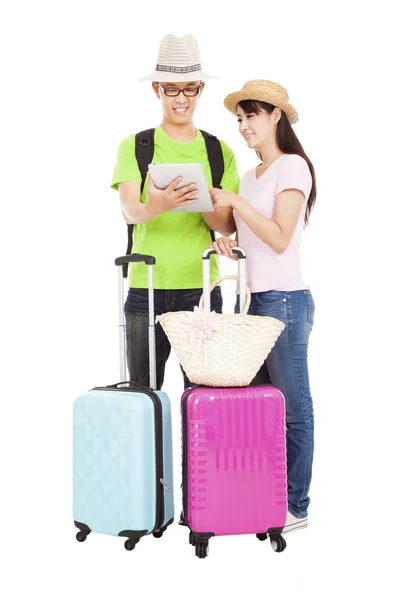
293 523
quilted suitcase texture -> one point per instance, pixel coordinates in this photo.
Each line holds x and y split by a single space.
122 451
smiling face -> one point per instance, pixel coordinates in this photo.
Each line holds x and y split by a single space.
257 128
178 109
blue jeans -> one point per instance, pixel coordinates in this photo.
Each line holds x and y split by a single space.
137 328
286 368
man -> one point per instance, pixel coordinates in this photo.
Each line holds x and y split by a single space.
177 239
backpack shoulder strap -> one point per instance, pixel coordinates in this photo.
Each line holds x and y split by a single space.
216 160
215 157
144 152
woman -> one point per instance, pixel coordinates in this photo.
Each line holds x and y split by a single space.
273 205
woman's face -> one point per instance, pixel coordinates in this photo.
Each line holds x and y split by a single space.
257 129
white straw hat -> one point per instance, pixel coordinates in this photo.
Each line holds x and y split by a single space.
178 60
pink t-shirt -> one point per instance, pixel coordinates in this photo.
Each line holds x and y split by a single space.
266 269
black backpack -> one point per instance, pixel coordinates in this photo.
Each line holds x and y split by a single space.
144 150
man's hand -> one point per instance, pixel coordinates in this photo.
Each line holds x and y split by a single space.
160 201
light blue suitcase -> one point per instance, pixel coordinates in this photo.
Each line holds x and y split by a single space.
122 449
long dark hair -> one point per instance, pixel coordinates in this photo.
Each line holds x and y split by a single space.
287 142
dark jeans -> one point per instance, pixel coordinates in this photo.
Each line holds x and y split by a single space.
286 368
137 332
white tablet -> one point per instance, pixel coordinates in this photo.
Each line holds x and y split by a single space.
163 175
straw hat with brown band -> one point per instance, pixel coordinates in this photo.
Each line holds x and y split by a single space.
263 91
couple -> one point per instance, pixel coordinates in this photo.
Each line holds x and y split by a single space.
267 209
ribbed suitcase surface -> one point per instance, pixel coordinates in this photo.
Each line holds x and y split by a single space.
234 459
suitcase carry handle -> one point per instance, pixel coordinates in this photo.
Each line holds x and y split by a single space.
150 261
242 277
128 384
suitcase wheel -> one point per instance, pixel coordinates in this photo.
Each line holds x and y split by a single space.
261 536
192 539
129 545
278 543
158 534
81 536
202 549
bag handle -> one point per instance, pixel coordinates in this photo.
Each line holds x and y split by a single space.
242 276
236 278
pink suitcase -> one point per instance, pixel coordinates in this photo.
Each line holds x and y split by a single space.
233 462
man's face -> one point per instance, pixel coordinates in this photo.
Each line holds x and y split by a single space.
178 109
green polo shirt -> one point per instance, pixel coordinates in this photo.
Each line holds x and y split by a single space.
177 240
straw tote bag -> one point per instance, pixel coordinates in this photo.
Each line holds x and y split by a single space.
220 350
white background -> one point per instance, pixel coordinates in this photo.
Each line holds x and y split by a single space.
70 94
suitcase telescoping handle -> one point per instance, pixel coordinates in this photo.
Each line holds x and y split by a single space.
149 261
242 276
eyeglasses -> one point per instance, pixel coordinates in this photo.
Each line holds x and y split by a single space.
172 91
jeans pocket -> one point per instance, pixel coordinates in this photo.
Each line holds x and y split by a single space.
310 306
192 299
269 304
269 299
188 299
137 301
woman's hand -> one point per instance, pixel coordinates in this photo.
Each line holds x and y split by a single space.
222 197
223 246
